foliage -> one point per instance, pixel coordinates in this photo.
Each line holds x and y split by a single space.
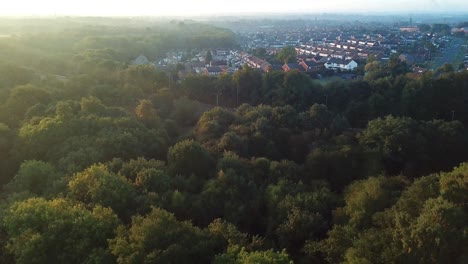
404 143
95 133
97 186
287 54
37 177
238 255
189 157
159 237
264 167
421 226
41 231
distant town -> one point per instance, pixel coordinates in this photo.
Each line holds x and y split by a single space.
325 50
298 138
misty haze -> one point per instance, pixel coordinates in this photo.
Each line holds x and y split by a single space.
234 132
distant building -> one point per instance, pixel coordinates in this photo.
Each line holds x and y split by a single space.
215 71
460 30
256 62
214 63
140 60
419 70
222 52
409 29
230 70
407 58
338 55
311 65
196 67
274 67
335 64
292 66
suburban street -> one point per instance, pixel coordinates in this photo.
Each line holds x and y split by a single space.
453 54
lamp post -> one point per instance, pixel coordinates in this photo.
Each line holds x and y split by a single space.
237 95
217 98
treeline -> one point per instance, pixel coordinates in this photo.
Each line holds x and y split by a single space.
63 45
387 89
124 164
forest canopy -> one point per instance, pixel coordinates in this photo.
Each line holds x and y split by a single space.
103 161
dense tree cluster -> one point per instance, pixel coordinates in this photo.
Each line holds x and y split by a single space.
387 220
115 163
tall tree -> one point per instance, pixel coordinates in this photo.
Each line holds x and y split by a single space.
98 186
287 54
160 238
58 231
208 57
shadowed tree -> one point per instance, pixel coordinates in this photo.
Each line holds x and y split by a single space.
287 54
190 158
160 238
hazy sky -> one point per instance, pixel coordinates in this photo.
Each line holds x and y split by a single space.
201 7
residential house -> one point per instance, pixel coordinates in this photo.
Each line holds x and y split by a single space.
214 71
222 52
230 70
292 66
409 29
335 64
140 60
419 70
255 62
214 63
197 67
274 67
338 55
311 65
407 58
325 53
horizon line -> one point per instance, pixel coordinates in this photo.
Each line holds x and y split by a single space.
246 13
